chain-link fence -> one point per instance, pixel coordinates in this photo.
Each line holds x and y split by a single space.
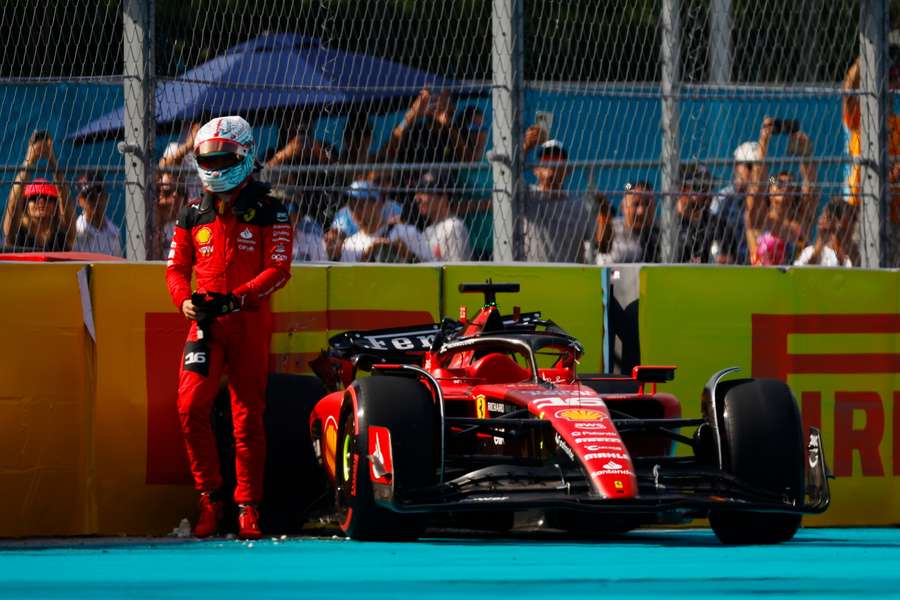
714 131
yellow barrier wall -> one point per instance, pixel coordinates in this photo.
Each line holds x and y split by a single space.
90 442
832 334
45 412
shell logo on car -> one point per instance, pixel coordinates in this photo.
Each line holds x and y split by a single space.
580 414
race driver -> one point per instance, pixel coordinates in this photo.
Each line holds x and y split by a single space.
237 240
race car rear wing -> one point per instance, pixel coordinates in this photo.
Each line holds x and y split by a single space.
354 350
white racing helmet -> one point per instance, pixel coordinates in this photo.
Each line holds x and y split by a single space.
224 152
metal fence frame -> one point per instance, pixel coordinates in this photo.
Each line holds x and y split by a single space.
506 159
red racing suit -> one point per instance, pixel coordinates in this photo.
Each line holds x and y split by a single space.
243 248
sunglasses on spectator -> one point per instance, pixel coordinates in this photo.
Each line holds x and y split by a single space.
165 192
44 198
781 184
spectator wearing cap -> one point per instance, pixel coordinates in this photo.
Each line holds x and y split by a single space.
344 223
446 233
379 239
699 231
730 203
551 224
833 246
94 232
635 236
39 215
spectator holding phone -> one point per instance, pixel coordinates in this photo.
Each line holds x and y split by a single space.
94 232
39 215
552 225
780 210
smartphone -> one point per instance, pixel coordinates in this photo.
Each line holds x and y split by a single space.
785 126
544 120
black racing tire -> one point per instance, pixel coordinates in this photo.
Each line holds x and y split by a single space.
406 408
762 443
293 479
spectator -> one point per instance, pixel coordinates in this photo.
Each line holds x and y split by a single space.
469 134
635 237
94 232
471 137
446 233
303 150
603 232
344 224
786 210
309 241
552 225
357 140
698 229
379 239
39 215
783 230
833 247
424 134
172 195
852 122
730 203
181 156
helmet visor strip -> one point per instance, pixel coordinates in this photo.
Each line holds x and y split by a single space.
217 154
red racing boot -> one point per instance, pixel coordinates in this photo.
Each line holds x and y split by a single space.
248 522
211 512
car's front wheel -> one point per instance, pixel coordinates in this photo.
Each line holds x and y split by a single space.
404 408
762 439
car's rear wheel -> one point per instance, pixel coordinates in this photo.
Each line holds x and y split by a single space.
405 408
762 444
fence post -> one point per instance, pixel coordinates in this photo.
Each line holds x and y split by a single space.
873 106
506 156
671 74
140 124
720 42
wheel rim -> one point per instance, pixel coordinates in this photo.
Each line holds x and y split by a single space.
346 456
344 473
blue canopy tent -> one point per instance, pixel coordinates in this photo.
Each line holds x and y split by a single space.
278 71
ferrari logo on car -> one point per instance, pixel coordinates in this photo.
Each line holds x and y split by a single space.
481 406
580 414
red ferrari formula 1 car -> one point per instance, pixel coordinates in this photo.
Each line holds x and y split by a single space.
486 416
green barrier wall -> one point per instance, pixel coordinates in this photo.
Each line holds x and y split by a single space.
832 334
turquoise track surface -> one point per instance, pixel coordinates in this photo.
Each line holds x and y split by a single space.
648 564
